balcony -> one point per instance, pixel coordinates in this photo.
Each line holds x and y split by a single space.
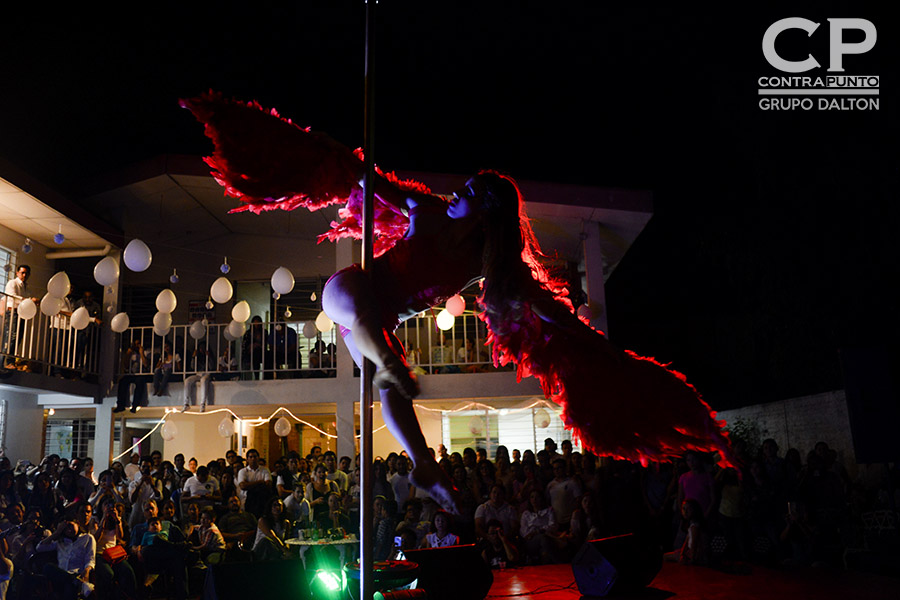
48 344
272 350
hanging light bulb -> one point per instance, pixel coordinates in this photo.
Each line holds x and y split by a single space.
173 278
26 247
225 268
276 295
209 304
312 296
287 313
59 238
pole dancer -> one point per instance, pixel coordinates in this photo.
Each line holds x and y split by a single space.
618 403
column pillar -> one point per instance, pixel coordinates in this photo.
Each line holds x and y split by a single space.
104 428
593 274
108 338
346 402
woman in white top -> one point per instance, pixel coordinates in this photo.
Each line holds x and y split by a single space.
538 529
272 529
110 534
441 536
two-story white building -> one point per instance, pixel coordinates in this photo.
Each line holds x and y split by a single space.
59 386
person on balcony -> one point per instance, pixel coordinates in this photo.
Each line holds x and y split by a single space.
168 362
16 291
284 354
203 363
135 364
91 331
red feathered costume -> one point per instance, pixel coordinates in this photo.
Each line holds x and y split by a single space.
617 403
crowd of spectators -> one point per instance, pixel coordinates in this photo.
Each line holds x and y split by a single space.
540 508
110 535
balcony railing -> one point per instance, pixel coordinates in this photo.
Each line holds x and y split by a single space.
268 350
279 350
47 344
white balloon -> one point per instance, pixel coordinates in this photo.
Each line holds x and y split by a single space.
221 290
137 256
456 305
50 305
197 330
27 309
282 280
445 320
59 286
323 323
169 431
80 318
476 425
282 427
166 301
120 322
541 418
162 323
106 272
162 320
241 311
309 330
236 329
226 427
227 335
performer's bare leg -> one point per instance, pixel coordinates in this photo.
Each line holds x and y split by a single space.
400 418
348 299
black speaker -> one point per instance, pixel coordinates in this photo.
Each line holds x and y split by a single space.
452 572
619 563
269 580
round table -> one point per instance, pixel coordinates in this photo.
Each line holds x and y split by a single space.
349 543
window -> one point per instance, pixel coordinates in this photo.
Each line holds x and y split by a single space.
514 428
75 437
7 263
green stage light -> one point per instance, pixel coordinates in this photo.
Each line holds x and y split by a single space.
329 580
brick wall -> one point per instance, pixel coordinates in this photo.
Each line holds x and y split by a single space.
801 422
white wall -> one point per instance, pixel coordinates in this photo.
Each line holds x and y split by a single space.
197 436
24 426
801 422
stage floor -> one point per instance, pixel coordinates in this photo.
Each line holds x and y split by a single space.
701 583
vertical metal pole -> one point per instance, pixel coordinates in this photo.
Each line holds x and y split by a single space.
367 535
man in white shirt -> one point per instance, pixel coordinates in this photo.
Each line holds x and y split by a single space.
496 508
142 488
296 505
254 484
16 290
201 487
400 481
75 559
334 474
563 492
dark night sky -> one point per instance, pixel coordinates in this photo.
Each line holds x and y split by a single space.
772 245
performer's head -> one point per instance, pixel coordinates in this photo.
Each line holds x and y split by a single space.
511 250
